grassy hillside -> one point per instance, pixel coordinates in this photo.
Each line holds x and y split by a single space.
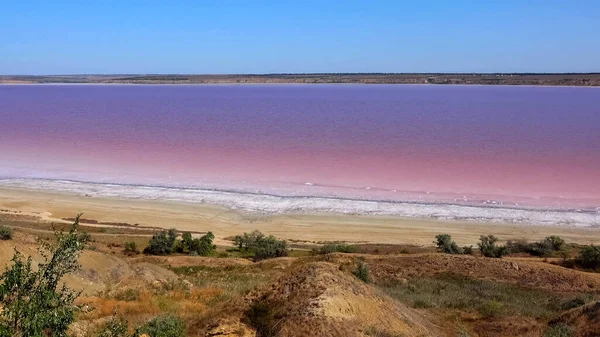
318 290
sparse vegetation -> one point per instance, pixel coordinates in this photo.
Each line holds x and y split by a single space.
6 233
33 303
488 298
164 326
559 330
362 271
488 247
337 248
116 327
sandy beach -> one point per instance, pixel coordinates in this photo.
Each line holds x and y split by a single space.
54 206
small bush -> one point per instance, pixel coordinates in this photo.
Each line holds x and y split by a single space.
589 257
203 246
556 241
488 247
445 244
162 243
559 330
248 241
362 272
544 248
130 248
338 248
269 247
468 250
6 233
164 326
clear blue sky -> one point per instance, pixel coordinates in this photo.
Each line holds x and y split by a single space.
220 36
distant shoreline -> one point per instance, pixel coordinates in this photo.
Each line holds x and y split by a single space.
566 79
259 204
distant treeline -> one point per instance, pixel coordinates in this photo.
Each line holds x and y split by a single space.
572 79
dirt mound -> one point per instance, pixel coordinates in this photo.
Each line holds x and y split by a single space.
318 299
531 274
585 320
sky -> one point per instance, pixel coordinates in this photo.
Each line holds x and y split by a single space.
40 37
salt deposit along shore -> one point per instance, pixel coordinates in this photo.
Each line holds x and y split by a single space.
302 218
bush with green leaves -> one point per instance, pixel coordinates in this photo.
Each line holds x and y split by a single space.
337 248
6 233
488 247
203 245
362 271
589 257
556 241
34 301
269 247
162 243
130 248
164 326
248 241
263 247
445 244
545 247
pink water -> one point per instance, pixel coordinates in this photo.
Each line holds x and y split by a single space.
531 146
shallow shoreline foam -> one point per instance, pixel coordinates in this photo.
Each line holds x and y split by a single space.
267 204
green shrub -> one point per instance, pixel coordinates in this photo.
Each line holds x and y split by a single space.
545 247
203 246
269 247
162 243
130 248
263 247
559 330
248 241
589 257
33 303
445 244
6 233
164 326
337 248
488 247
468 250
556 241
186 243
362 271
